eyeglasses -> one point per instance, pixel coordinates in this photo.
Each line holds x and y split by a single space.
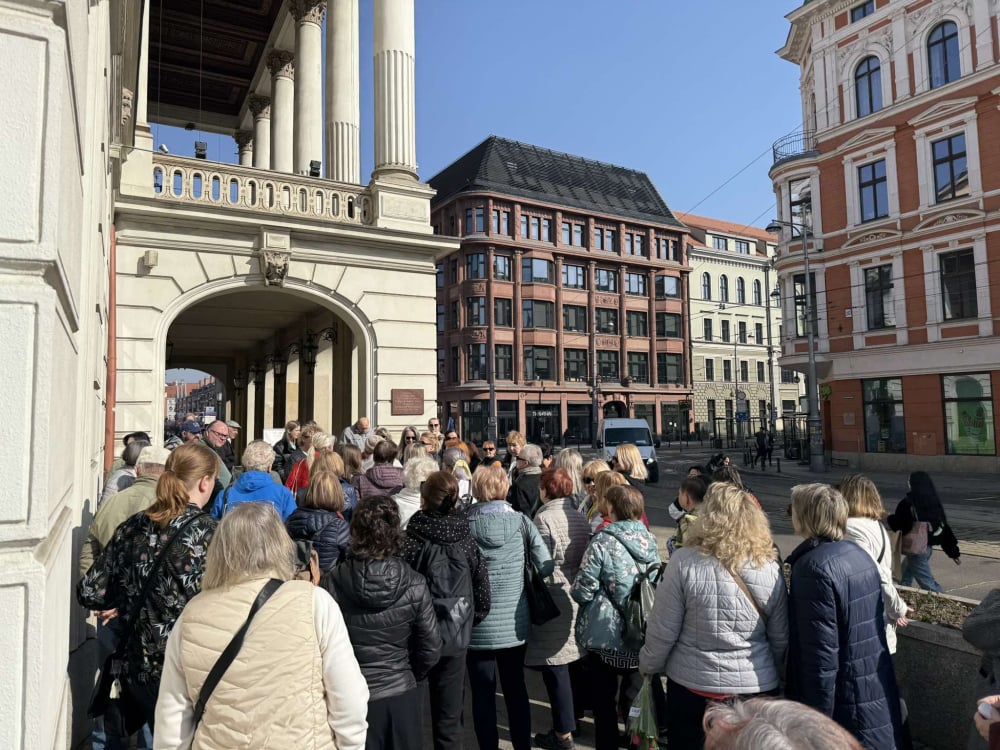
490 450
588 481
410 439
217 433
435 424
426 444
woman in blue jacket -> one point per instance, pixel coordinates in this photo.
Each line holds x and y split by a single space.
838 658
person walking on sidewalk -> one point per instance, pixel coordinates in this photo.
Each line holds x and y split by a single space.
922 504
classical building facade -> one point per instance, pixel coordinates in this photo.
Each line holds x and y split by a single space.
304 291
571 280
895 177
735 329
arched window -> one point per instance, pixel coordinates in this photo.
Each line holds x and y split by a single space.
724 288
868 86
756 292
706 286
741 291
942 54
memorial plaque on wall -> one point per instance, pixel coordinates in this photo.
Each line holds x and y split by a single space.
407 401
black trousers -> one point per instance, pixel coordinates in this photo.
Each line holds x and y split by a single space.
612 691
483 668
559 688
396 722
446 683
685 711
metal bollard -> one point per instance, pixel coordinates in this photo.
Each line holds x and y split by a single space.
779 465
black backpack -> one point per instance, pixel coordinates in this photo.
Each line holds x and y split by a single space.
639 604
449 580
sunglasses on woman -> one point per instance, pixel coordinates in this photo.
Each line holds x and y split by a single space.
410 439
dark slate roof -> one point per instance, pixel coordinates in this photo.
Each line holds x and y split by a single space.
520 170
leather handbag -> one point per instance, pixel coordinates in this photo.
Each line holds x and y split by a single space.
915 540
540 602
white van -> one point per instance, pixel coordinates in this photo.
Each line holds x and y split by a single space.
614 432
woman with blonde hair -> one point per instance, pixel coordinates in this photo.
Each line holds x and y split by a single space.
865 514
588 475
320 520
515 442
295 681
599 514
719 627
571 460
333 462
628 462
153 566
318 442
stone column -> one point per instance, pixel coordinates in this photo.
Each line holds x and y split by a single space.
308 141
395 115
343 87
282 67
260 106
142 80
244 142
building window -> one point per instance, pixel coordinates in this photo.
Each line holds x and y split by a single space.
537 314
744 371
607 366
873 190
760 372
575 364
662 248
442 373
575 318
439 279
536 228
800 201
667 286
607 320
968 415
706 286
476 362
710 413
951 170
546 235
942 54
635 283
804 307
668 325
724 333
453 270
475 311
879 297
727 371
741 291
538 362
789 376
638 367
610 240
501 267
628 243
868 86
884 428
536 270
757 300
503 312
475 266
669 369
455 375
637 323
572 234
440 318
455 322
958 285
574 277
742 247
598 239
719 243
640 248
605 281
500 222
474 224
707 329
860 11
758 330
741 328
578 235
724 288
503 361
710 370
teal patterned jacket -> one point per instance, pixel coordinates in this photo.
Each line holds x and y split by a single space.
608 568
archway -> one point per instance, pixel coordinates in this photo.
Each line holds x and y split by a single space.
615 410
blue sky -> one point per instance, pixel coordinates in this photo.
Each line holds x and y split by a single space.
689 93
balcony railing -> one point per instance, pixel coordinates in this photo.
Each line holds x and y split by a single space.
802 143
194 181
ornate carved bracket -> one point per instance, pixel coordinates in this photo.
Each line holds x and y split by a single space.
308 11
260 106
274 264
281 63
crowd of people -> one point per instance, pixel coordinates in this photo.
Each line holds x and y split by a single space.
331 584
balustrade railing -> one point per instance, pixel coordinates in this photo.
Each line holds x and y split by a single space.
793 145
184 180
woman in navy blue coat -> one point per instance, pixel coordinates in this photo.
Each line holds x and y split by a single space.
838 658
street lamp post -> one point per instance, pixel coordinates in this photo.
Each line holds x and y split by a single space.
770 348
817 459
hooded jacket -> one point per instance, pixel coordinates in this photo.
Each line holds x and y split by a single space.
499 530
380 479
838 658
609 569
254 486
391 622
328 531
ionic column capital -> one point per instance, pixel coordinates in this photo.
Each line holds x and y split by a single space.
308 11
260 106
243 138
281 63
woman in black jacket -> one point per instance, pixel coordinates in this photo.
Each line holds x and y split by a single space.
439 523
922 503
320 519
286 450
391 622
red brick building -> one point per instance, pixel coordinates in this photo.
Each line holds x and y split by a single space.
898 174
572 278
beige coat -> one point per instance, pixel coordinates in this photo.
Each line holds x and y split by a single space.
566 532
294 684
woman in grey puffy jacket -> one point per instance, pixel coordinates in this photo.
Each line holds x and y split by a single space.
715 639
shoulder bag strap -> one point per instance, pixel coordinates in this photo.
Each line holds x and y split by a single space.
884 537
231 651
746 590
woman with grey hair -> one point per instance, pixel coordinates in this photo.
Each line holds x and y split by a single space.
571 460
275 692
767 723
123 478
415 473
524 495
838 657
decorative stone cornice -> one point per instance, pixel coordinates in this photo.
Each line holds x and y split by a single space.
260 106
244 139
281 63
308 11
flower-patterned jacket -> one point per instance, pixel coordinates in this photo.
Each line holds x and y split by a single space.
117 579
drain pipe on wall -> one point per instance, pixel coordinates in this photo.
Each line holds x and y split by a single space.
111 381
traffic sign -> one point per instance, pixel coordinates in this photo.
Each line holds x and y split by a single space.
742 416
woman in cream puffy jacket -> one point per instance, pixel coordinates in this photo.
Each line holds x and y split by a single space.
294 683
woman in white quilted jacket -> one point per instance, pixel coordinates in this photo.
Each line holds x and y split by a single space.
295 682
719 627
